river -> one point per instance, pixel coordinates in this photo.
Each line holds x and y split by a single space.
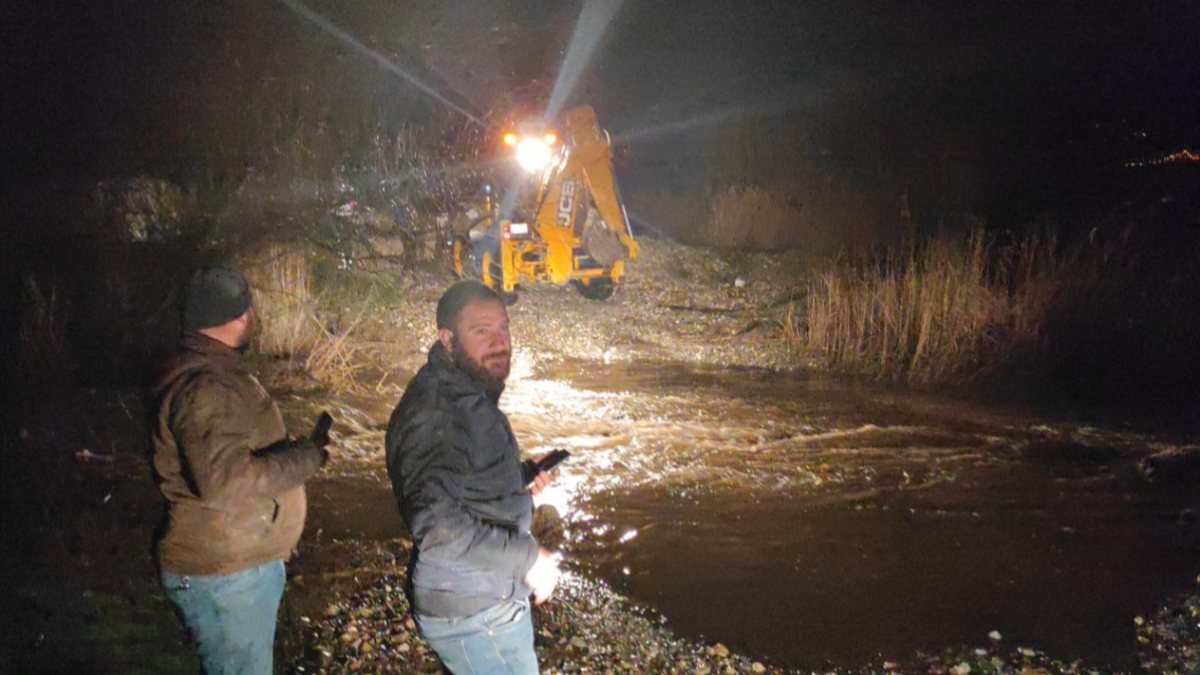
820 523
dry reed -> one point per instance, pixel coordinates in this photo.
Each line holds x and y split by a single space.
337 360
42 333
751 218
947 312
283 302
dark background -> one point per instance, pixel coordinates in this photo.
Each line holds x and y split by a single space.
1043 101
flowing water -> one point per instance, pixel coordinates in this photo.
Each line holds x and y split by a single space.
820 523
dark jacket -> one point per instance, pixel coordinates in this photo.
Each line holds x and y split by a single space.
232 479
457 475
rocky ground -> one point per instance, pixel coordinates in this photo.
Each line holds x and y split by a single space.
79 584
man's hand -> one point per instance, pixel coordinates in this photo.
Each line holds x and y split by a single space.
543 576
542 479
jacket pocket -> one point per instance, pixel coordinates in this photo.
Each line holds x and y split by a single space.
505 615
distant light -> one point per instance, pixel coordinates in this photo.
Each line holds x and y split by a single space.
551 138
510 139
627 536
1184 155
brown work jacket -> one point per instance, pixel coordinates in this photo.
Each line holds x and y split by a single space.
233 480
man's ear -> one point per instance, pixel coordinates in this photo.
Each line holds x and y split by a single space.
446 337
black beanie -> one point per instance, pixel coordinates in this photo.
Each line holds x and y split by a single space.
213 297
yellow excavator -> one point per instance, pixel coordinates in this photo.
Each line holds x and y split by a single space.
575 232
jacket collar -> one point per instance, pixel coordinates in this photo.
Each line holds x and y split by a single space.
201 345
197 351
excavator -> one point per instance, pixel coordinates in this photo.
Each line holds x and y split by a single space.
574 231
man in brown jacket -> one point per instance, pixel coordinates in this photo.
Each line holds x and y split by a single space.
232 478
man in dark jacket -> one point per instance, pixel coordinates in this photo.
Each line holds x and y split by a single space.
461 486
233 481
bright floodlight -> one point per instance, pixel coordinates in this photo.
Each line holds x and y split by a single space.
533 154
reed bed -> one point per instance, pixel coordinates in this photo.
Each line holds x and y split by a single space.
330 347
340 360
946 312
284 306
749 217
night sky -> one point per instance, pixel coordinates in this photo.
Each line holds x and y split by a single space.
1040 90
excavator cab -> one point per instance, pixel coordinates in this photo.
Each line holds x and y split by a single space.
573 231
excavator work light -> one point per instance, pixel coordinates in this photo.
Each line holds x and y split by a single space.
533 154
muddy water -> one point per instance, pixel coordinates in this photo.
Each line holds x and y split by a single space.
816 523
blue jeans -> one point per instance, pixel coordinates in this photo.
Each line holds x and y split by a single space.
496 641
231 617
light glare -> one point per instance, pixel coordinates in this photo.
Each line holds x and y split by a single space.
533 154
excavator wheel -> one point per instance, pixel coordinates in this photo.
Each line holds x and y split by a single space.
598 289
472 261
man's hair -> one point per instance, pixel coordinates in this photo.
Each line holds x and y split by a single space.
458 296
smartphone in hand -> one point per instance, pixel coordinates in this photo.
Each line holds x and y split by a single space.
550 461
320 433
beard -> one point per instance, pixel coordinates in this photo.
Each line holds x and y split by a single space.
491 371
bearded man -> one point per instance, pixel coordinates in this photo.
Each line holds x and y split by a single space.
461 486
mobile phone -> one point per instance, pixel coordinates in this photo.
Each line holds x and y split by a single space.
324 424
550 461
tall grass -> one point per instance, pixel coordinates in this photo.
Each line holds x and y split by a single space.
323 337
815 217
945 312
42 332
752 218
284 307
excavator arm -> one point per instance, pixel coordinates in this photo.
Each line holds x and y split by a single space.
579 233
